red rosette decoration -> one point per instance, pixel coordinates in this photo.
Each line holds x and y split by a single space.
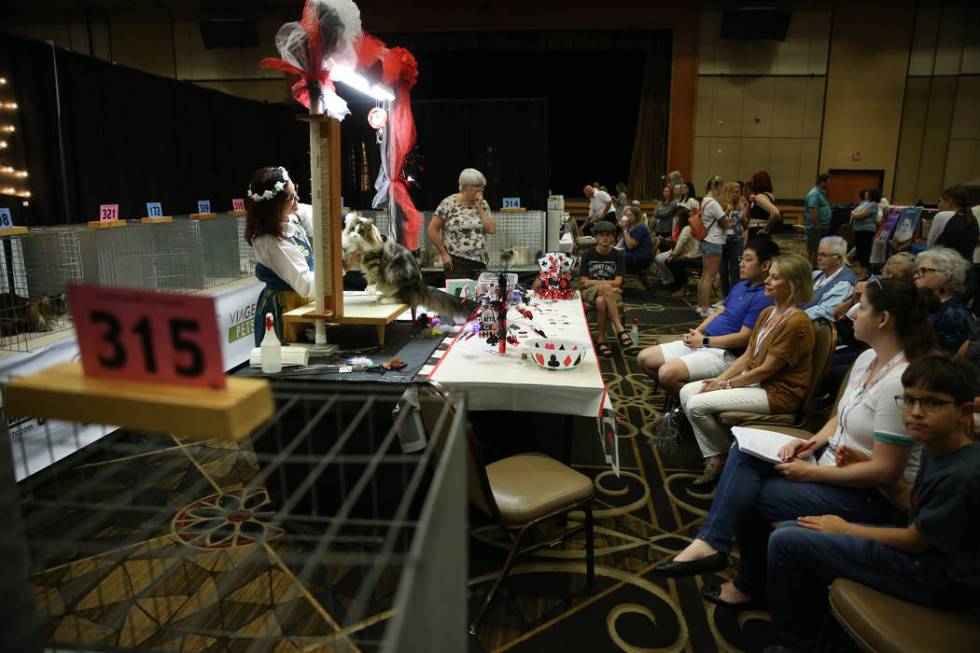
313 79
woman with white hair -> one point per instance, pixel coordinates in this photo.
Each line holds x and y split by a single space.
833 281
943 271
460 225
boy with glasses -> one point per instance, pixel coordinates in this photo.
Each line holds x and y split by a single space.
932 561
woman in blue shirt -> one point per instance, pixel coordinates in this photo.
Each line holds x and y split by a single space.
638 250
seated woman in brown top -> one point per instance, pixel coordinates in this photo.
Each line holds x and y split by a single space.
773 374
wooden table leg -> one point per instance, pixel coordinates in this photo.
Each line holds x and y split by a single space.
381 334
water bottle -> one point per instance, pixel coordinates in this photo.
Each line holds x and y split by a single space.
635 332
271 348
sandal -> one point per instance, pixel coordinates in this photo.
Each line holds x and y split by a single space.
604 350
626 341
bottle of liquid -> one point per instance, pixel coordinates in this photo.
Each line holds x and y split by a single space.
271 348
635 332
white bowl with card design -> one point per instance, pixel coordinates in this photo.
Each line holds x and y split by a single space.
557 353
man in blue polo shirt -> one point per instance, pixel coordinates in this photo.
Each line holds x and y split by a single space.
708 350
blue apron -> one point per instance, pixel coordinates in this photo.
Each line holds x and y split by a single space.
278 296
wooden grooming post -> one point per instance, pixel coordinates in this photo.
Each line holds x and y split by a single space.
328 274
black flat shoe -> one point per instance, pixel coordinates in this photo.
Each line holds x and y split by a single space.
713 563
712 594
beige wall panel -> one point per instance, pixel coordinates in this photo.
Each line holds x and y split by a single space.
183 59
816 87
959 162
757 106
785 165
910 141
819 22
809 160
78 37
935 144
949 48
975 173
966 114
143 39
788 106
726 106
971 49
803 52
923 56
263 90
724 159
709 27
855 119
704 106
754 154
702 158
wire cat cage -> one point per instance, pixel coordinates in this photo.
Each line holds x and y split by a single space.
319 532
246 255
520 232
33 302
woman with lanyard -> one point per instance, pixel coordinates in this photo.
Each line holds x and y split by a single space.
278 228
861 452
773 374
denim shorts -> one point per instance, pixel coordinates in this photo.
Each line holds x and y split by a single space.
710 249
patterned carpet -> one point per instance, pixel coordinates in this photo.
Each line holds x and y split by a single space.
205 570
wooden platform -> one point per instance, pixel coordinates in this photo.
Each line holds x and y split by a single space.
358 309
64 392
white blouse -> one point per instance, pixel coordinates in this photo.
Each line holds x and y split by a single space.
286 258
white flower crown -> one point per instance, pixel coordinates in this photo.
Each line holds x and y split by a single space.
268 194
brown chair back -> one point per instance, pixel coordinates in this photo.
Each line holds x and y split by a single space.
438 410
824 345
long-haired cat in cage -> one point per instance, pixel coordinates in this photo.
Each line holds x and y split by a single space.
394 271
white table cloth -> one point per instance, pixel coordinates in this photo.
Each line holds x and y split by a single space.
493 381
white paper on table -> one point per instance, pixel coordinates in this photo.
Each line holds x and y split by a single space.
763 444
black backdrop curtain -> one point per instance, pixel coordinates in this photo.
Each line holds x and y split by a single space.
130 137
507 140
608 94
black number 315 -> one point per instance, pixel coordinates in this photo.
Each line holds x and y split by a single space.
178 328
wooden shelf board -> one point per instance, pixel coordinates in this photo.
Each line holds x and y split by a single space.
354 313
13 231
203 216
157 219
111 224
64 392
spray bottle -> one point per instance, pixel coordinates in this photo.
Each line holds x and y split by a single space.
271 348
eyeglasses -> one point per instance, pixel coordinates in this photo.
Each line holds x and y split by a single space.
826 254
928 404
921 272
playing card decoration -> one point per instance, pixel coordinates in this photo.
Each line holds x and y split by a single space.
556 276
556 354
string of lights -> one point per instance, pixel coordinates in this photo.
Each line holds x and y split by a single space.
13 181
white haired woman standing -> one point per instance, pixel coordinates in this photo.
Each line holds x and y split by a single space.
460 225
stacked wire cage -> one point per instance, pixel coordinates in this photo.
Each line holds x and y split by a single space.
339 525
218 242
519 233
36 270
246 255
174 256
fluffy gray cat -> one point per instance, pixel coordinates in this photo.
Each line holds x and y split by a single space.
393 270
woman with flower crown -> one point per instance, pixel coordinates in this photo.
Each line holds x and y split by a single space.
280 230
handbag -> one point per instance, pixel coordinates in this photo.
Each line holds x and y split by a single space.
698 230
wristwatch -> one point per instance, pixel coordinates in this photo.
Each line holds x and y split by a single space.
704 341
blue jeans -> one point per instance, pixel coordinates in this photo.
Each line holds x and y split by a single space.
803 563
731 257
751 495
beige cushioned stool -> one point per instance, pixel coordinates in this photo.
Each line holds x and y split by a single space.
529 486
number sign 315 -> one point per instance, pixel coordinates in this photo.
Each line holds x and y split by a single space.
147 336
